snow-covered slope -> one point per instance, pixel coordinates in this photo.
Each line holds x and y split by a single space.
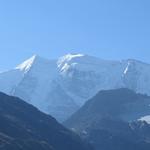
60 87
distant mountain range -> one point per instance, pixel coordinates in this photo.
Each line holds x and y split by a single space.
24 127
113 120
60 87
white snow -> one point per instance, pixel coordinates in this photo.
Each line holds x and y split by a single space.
26 65
127 68
60 86
68 58
145 118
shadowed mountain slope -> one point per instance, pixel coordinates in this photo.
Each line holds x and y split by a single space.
24 127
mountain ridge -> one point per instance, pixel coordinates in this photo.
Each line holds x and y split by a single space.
25 127
76 77
110 120
122 104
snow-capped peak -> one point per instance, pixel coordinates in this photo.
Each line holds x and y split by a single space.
26 65
69 81
71 56
68 58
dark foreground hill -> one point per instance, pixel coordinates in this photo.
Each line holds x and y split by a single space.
110 121
23 127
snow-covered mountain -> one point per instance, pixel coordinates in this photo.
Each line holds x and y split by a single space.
60 87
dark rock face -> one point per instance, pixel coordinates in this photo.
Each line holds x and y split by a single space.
23 127
109 121
118 135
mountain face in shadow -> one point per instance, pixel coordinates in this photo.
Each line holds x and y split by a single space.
111 120
23 127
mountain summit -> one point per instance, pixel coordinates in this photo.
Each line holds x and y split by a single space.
60 87
111 120
118 104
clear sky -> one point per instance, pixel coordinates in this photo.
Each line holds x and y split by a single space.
109 29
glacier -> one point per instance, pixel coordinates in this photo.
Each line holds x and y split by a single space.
60 87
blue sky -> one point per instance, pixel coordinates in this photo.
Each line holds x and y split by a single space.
109 29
